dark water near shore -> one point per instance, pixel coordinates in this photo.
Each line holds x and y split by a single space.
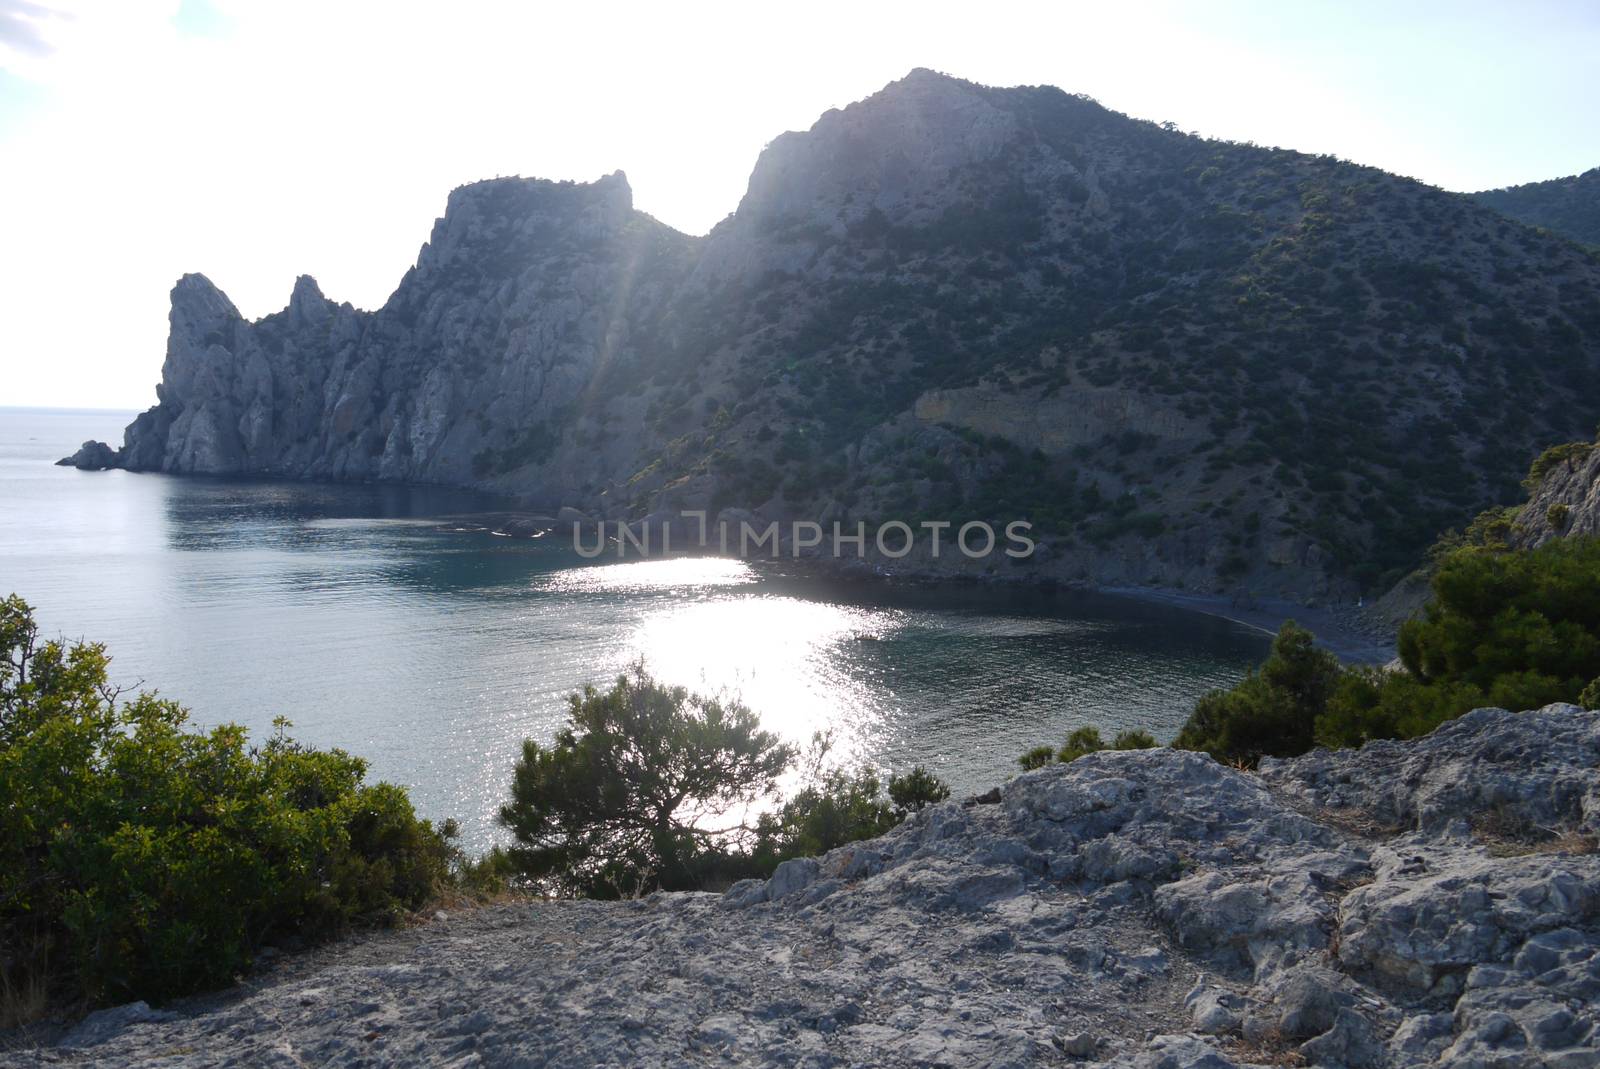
373 626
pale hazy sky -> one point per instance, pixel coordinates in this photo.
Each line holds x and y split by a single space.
255 141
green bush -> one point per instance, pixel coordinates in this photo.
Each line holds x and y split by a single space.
142 859
1273 712
1566 453
1134 739
1082 741
1037 757
1514 629
1524 626
1590 698
838 807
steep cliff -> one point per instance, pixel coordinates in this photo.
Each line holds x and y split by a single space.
1188 362
524 290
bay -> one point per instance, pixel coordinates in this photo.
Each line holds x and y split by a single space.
367 618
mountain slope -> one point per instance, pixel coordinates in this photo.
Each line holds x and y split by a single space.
1186 361
1567 206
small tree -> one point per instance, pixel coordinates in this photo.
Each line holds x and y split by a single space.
916 790
622 800
1273 712
834 808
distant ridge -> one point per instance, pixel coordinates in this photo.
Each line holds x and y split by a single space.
1566 206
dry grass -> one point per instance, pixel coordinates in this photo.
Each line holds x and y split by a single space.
1505 833
1358 821
24 994
1269 1048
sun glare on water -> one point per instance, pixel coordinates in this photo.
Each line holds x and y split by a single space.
650 576
785 657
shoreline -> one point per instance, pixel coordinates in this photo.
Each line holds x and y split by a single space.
1334 633
1337 629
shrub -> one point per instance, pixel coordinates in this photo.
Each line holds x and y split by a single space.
1273 712
1037 757
1523 626
1590 698
1557 515
1134 739
1083 741
916 790
621 801
836 808
147 860
1567 453
1512 629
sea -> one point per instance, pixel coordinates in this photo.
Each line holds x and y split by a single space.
376 619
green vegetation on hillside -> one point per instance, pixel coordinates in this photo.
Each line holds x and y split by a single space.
1516 629
1326 345
1566 206
1273 712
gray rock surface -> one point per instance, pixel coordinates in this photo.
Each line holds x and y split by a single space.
1564 504
91 456
1434 903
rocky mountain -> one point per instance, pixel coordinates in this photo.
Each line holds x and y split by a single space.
1187 362
1424 903
1567 206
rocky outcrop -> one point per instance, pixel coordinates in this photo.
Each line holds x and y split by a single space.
1565 502
91 456
489 342
1431 903
1190 363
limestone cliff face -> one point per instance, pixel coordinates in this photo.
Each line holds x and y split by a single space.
1186 362
524 288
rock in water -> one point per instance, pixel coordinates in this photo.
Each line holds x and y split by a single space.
1430 903
91 456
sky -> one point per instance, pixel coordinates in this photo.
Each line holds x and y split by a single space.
257 141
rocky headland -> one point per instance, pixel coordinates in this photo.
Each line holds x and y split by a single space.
1424 903
1191 363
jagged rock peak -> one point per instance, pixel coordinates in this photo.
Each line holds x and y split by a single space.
305 289
199 309
307 304
198 295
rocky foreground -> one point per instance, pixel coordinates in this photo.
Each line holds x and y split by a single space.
1412 904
